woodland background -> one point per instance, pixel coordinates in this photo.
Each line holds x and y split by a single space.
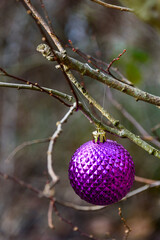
27 115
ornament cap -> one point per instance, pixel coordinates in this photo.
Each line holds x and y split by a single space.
99 136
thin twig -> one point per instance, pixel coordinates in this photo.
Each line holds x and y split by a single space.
144 180
74 228
31 87
142 189
55 135
154 129
114 60
25 144
20 182
4 73
50 212
127 228
78 207
114 69
107 5
46 15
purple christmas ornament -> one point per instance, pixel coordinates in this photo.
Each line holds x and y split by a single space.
101 172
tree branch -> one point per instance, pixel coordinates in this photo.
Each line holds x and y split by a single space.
55 135
144 180
25 144
45 25
4 73
107 5
31 87
86 70
126 227
58 44
50 212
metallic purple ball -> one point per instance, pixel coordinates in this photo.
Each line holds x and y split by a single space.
101 173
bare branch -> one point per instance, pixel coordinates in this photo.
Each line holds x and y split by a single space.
46 15
44 24
78 207
144 180
50 212
107 5
31 87
114 60
43 33
155 127
154 131
51 172
4 73
127 228
25 144
142 189
56 41
20 182
74 228
85 69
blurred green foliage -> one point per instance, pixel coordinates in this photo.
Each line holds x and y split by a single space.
146 10
133 67
133 72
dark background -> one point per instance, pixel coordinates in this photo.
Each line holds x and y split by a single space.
26 115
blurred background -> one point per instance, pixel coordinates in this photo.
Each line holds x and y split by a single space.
26 115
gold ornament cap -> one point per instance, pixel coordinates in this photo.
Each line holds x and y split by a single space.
99 136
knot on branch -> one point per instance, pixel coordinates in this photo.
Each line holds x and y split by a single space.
45 50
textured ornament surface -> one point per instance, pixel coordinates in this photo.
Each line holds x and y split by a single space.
101 173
